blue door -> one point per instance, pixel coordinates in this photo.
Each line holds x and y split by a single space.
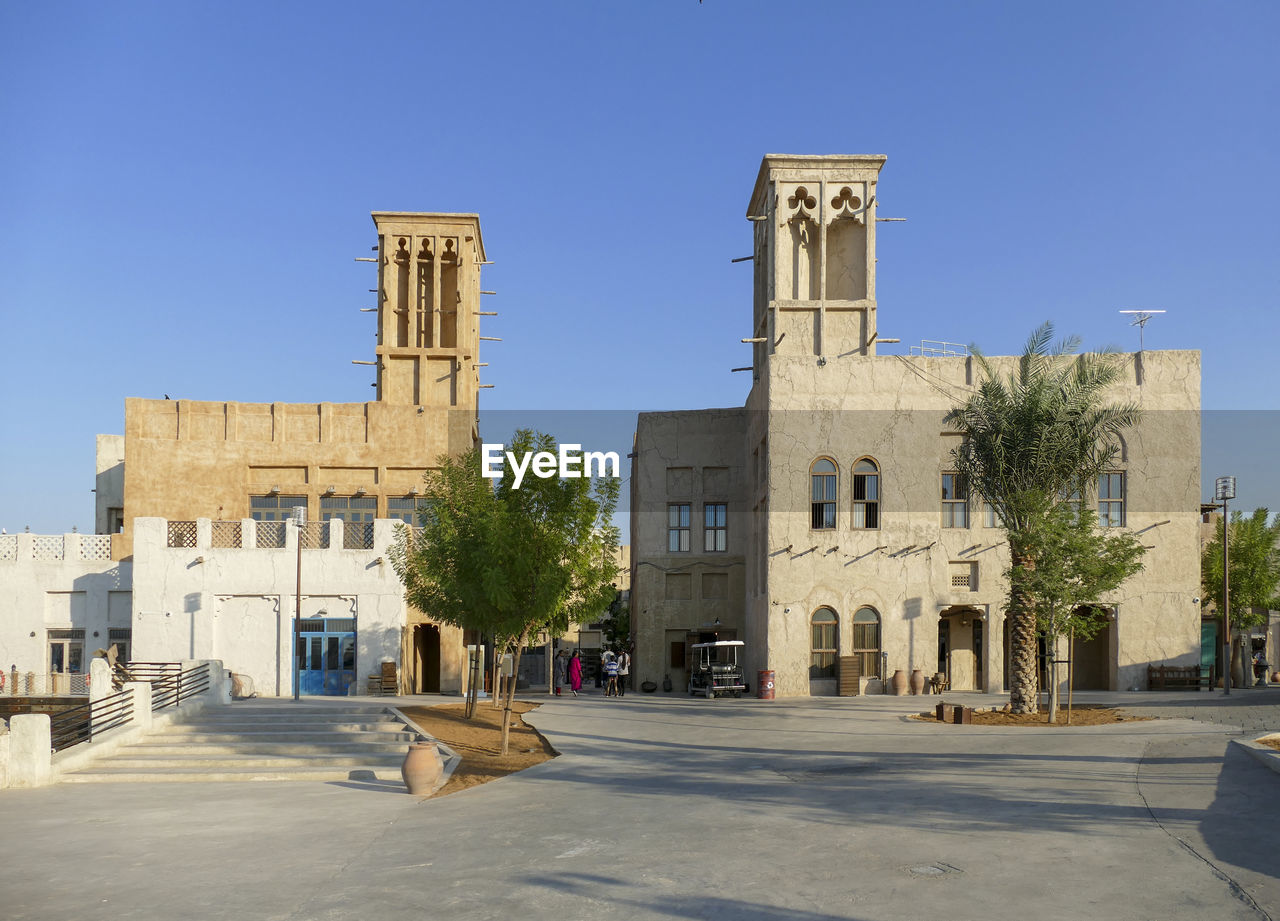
325 656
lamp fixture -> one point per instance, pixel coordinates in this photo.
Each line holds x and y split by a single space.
360 491
273 491
331 490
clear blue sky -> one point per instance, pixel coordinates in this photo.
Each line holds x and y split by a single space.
183 188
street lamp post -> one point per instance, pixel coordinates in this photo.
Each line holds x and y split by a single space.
1224 488
299 520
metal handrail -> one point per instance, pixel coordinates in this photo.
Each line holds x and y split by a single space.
172 687
79 724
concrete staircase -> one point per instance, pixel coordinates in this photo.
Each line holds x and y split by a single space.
261 740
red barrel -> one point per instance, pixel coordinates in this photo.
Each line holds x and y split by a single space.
764 685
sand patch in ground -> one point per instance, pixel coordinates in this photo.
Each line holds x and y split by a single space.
1080 716
479 740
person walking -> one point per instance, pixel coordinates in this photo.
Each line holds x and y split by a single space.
575 673
624 672
561 670
611 677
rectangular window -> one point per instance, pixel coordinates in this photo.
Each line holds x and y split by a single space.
406 508
348 508
715 534
274 508
955 501
66 651
356 513
1111 500
678 528
122 639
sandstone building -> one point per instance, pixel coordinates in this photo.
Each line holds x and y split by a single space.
200 493
821 522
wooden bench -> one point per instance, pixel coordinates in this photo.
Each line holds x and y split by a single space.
1176 678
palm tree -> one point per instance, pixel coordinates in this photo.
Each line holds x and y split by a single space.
1034 438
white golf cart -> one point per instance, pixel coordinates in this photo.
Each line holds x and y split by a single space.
716 669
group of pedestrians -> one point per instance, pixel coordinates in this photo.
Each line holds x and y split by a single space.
615 672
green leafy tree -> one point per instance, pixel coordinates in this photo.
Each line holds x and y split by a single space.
510 562
1077 563
1254 552
617 624
1032 437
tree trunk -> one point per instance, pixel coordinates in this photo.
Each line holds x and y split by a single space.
1071 671
1051 647
1024 682
511 689
475 672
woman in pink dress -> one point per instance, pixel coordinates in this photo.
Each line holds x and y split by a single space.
575 673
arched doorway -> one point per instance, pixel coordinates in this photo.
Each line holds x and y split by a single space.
962 648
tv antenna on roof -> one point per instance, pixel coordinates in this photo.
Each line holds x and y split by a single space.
1140 318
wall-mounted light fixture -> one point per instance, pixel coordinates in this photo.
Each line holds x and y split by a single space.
360 491
331 490
198 559
273 491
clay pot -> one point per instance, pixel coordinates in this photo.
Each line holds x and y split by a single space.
899 683
917 681
422 767
1275 677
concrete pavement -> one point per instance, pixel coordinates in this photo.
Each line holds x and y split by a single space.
668 807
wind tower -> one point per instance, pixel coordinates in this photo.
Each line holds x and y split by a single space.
428 309
814 257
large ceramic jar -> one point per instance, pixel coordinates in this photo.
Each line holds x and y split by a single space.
422 767
917 681
899 683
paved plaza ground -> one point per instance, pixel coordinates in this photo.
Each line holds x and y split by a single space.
669 807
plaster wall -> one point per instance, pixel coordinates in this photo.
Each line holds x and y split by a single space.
692 458
186 459
237 604
108 483
47 584
890 409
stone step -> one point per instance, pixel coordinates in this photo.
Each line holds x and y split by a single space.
177 775
376 737
198 761
197 726
162 746
261 743
287 715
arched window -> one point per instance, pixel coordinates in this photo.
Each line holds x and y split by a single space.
866 494
822 494
866 641
822 661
